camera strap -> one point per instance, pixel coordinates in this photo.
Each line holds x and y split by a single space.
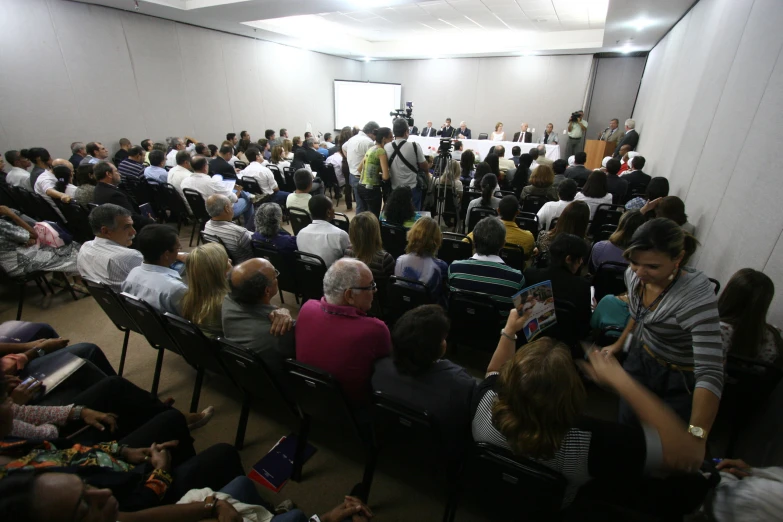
402 157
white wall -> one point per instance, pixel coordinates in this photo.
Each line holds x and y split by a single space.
79 72
482 91
709 114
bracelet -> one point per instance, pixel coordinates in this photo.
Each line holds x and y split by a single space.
504 334
76 413
210 506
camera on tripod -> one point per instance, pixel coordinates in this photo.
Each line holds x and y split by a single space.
406 113
445 146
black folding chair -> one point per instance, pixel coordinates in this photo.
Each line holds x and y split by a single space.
604 234
45 211
197 349
405 294
310 271
78 221
394 239
8 198
476 214
286 280
178 211
21 282
199 209
342 222
716 283
27 203
454 248
241 165
330 182
319 396
529 222
150 322
506 484
475 320
609 279
159 199
112 306
250 185
288 180
513 255
532 204
252 376
299 219
605 214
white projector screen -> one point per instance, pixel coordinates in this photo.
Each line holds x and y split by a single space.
356 103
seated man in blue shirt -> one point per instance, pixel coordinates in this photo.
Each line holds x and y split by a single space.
154 281
157 171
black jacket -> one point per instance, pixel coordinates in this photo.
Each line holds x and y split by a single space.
427 132
528 137
631 138
618 187
578 173
637 181
316 160
566 287
447 132
220 166
106 193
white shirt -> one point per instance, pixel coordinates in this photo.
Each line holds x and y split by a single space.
176 176
264 177
550 211
594 202
355 149
17 177
498 136
492 258
105 261
324 240
47 181
207 186
70 190
171 158
336 161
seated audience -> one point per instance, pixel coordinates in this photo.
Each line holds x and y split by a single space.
419 262
503 164
303 181
573 220
494 165
250 320
541 184
595 192
354 341
321 237
235 238
489 184
481 170
566 191
399 209
743 306
175 145
531 404
637 180
154 281
567 254
207 267
269 229
656 189
206 186
521 175
617 186
223 163
78 152
451 179
85 185
41 162
18 176
612 310
672 207
181 172
107 258
133 164
367 245
46 183
264 177
106 191
467 164
613 248
96 153
486 272
559 167
508 210
417 374
157 169
64 175
288 149
578 172
278 158
122 153
625 156
300 160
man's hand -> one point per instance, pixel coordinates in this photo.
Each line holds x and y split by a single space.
351 507
51 345
282 321
11 382
23 393
99 420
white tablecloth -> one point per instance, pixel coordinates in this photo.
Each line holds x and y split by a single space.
430 146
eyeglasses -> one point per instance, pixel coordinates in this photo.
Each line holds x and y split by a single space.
277 273
373 286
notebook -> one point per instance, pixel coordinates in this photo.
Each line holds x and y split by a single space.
276 467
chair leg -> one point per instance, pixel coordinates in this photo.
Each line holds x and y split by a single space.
281 296
239 442
124 352
197 390
46 282
22 288
70 288
301 444
156 376
192 233
369 470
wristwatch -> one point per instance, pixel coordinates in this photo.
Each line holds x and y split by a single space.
40 352
504 334
697 432
76 413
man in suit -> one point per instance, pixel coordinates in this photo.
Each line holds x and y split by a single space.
413 130
549 137
612 134
317 163
232 137
446 130
578 172
463 132
637 180
524 135
220 164
631 137
106 191
428 131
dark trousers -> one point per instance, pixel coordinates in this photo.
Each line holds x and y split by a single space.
371 199
674 387
347 190
24 332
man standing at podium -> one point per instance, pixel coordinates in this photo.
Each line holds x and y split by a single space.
631 137
577 126
611 133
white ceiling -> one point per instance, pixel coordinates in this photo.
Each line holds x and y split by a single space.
400 29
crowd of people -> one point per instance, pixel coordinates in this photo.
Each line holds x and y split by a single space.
674 340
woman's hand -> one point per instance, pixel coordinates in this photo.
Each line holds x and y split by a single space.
351 507
51 345
737 467
226 512
650 205
24 392
611 350
99 420
605 369
516 322
160 457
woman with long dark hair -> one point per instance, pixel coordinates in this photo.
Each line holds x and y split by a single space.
467 163
489 184
399 209
482 169
595 192
522 176
573 220
612 249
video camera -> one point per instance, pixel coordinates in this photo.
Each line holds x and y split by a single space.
575 117
406 113
445 146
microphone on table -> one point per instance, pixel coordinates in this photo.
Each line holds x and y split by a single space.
603 134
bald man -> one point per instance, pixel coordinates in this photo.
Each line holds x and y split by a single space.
237 239
524 135
63 162
250 320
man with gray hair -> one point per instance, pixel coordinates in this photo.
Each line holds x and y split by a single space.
316 160
176 145
354 150
107 258
252 321
486 272
405 160
78 151
631 137
236 239
335 334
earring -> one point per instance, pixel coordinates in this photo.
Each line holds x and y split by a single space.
671 276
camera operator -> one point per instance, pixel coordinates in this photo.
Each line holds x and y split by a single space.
405 160
577 126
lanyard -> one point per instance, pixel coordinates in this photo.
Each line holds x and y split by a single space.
642 311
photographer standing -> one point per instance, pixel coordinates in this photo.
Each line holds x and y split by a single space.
577 126
406 160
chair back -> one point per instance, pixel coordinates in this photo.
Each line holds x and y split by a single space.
136 188
475 320
299 219
405 294
288 180
453 248
342 222
78 222
310 271
279 179
609 279
529 222
716 283
251 185
605 214
44 210
159 199
483 135
318 394
110 302
149 321
328 176
394 238
566 329
241 165
197 205
195 347
604 233
286 281
8 198
397 421
533 204
479 213
27 204
174 203
513 255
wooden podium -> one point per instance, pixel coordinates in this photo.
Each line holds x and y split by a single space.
596 151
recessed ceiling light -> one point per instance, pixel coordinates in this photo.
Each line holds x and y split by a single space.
428 26
626 49
642 23
475 22
447 23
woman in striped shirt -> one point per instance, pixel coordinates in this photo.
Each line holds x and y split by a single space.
673 335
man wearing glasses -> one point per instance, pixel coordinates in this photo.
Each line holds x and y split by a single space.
335 334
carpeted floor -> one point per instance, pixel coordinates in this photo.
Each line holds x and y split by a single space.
402 490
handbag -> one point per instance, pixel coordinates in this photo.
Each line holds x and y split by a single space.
52 235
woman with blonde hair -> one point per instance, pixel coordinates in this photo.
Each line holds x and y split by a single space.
531 403
498 134
288 147
278 158
202 304
367 246
541 184
419 262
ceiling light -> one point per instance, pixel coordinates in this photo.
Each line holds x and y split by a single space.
428 26
642 23
447 23
367 59
501 21
475 22
626 49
